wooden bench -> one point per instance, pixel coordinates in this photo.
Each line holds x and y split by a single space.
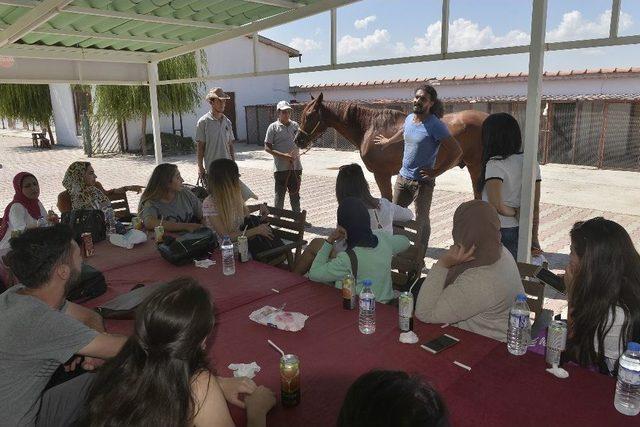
40 140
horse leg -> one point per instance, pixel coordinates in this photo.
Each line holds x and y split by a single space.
384 185
475 170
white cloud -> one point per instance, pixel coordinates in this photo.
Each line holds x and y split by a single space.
305 45
349 45
574 26
361 24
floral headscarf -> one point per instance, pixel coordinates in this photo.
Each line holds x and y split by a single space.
82 195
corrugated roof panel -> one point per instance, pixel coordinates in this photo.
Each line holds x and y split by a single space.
10 14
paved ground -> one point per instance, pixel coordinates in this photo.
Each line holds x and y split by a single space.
569 193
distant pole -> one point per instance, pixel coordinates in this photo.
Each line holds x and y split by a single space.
152 75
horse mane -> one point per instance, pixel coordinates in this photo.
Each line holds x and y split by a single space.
365 117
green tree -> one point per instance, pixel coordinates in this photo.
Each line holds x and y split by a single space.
28 103
122 103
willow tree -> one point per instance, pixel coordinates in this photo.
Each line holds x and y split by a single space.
28 103
124 103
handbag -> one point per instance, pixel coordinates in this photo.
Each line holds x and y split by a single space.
187 247
259 244
86 221
91 284
199 190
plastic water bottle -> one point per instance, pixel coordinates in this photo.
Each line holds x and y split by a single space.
367 317
228 259
519 331
627 400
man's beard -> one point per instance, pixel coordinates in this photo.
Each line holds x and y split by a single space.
72 282
418 108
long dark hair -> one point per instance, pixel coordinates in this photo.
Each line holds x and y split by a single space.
351 183
608 276
437 109
501 137
392 398
149 382
158 183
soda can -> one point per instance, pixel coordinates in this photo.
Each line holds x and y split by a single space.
243 248
556 341
348 292
159 230
289 380
87 245
405 311
136 222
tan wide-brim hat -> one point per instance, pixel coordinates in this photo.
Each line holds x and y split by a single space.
218 93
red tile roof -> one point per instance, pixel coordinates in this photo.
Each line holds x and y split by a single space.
476 77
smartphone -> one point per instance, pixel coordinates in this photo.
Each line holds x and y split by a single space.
551 279
444 341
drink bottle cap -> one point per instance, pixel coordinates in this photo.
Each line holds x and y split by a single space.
521 297
366 282
633 346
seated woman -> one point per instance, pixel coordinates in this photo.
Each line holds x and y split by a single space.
382 213
502 160
84 192
162 375
392 398
224 209
373 251
24 210
603 291
166 201
473 284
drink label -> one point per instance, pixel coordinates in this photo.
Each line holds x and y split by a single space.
367 304
518 320
629 376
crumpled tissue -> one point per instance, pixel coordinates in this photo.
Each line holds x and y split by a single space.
248 370
204 263
277 318
129 239
558 372
408 337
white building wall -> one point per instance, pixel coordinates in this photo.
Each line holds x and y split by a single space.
63 116
230 57
479 88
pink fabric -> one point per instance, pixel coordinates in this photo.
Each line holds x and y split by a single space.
32 206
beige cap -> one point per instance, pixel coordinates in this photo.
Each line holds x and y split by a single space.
283 105
218 93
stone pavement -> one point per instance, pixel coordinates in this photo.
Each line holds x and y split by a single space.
318 194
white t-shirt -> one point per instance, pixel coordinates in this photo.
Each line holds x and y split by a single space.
612 348
509 171
19 219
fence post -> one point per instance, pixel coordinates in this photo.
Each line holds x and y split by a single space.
86 134
574 135
603 131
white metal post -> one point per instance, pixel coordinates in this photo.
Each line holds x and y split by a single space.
334 36
255 53
532 126
152 73
444 25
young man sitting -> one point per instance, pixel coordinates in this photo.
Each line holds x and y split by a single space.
40 330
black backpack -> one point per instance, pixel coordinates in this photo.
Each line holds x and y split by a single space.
86 221
187 247
91 284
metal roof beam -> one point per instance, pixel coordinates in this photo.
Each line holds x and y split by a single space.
103 36
253 27
615 18
146 18
279 3
44 11
59 52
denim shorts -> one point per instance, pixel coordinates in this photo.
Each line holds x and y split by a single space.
510 240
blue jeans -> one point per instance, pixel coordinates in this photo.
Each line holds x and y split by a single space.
510 240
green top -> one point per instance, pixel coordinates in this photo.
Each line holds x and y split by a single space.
373 264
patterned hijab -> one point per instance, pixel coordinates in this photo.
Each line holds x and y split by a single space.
476 223
32 206
83 196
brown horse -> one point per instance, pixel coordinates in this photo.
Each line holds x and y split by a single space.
360 125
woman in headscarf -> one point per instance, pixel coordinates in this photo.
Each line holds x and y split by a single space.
475 282
24 210
373 251
84 191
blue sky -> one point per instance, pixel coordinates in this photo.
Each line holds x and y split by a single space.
374 29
